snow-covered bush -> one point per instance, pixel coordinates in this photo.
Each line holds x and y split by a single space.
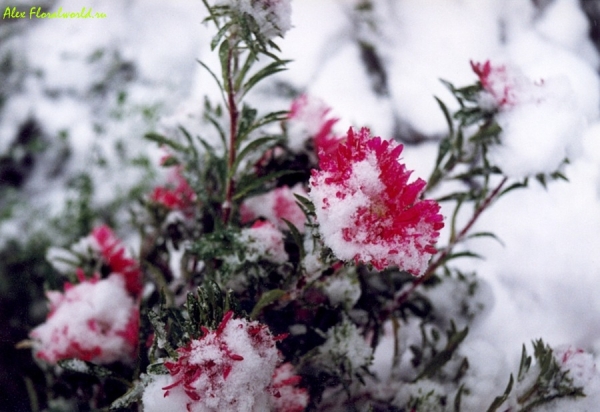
284 265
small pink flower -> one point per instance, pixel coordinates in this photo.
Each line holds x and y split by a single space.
506 85
308 119
176 195
275 206
96 320
229 368
367 210
115 255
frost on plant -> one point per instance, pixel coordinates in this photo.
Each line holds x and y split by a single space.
541 122
231 368
95 320
368 211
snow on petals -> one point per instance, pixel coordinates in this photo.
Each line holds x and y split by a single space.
541 122
227 369
95 320
275 206
115 255
308 119
367 210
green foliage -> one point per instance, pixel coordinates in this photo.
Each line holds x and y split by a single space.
538 382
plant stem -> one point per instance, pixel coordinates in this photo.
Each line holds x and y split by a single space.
433 266
233 118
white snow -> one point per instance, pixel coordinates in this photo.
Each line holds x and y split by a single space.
544 281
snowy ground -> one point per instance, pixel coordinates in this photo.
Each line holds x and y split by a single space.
544 279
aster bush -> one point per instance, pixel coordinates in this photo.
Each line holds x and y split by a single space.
286 265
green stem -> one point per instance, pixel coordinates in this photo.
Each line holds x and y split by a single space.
233 120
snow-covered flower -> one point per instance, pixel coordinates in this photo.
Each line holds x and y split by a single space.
231 368
367 210
176 194
581 364
263 241
116 257
95 320
275 206
541 122
308 119
273 17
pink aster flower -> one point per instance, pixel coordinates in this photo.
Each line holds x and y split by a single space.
275 206
506 86
309 119
115 255
368 211
176 195
227 369
96 320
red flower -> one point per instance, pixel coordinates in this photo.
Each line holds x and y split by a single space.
232 365
367 210
176 195
287 396
113 252
96 320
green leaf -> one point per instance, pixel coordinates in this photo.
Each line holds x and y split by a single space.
306 205
250 59
438 361
160 139
224 58
447 116
214 76
298 239
266 71
265 300
134 394
499 400
215 40
486 234
255 183
251 148
87 368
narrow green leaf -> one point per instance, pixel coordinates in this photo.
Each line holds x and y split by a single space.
265 300
224 58
306 204
438 361
298 239
266 71
499 400
215 40
87 368
214 76
250 148
241 76
258 182
447 116
486 234
160 139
